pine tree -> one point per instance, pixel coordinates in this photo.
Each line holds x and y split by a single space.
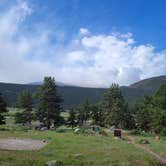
25 102
83 112
160 97
115 109
3 109
96 114
72 119
49 100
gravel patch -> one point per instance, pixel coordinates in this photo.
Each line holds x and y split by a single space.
21 144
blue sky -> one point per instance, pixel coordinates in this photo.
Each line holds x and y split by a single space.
83 42
145 19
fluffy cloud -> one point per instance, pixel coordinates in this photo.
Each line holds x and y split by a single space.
88 60
104 59
84 31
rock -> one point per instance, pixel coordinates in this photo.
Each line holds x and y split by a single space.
112 128
37 126
157 138
77 130
54 163
43 128
96 128
89 131
52 128
144 141
45 141
77 155
103 133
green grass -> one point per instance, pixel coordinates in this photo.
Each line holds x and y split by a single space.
157 146
95 150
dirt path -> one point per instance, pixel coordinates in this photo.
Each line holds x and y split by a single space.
131 140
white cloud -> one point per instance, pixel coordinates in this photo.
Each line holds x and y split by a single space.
88 60
84 31
104 59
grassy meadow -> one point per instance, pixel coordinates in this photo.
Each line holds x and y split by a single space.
93 150
72 149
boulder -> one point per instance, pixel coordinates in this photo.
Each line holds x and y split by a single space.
103 133
77 155
144 141
96 128
89 131
157 138
77 130
43 128
54 163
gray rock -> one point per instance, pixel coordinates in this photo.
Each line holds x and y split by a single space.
77 130
54 163
144 141
43 128
77 155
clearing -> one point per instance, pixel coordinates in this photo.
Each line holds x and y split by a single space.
21 144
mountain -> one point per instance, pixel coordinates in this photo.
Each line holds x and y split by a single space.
150 84
74 95
58 83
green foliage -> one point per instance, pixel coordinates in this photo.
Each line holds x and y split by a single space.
3 109
160 97
79 150
49 100
96 114
115 109
72 119
2 119
83 112
151 114
25 102
73 96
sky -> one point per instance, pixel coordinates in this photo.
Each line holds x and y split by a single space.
89 43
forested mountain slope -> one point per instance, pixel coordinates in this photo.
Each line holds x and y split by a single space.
74 95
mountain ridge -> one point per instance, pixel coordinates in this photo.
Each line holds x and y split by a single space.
74 95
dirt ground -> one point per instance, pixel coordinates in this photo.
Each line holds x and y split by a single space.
21 144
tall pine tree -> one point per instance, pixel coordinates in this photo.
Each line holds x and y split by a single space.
83 112
115 109
25 102
49 100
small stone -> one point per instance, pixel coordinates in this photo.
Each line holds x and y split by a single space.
144 141
54 163
77 155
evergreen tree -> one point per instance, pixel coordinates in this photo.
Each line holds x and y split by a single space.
115 109
158 116
72 119
49 100
160 97
96 114
151 114
3 109
83 112
143 114
25 102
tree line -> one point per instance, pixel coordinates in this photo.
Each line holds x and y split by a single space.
112 110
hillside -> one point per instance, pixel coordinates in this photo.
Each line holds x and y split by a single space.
150 84
74 95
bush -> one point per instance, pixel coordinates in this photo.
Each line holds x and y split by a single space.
135 132
103 133
163 132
